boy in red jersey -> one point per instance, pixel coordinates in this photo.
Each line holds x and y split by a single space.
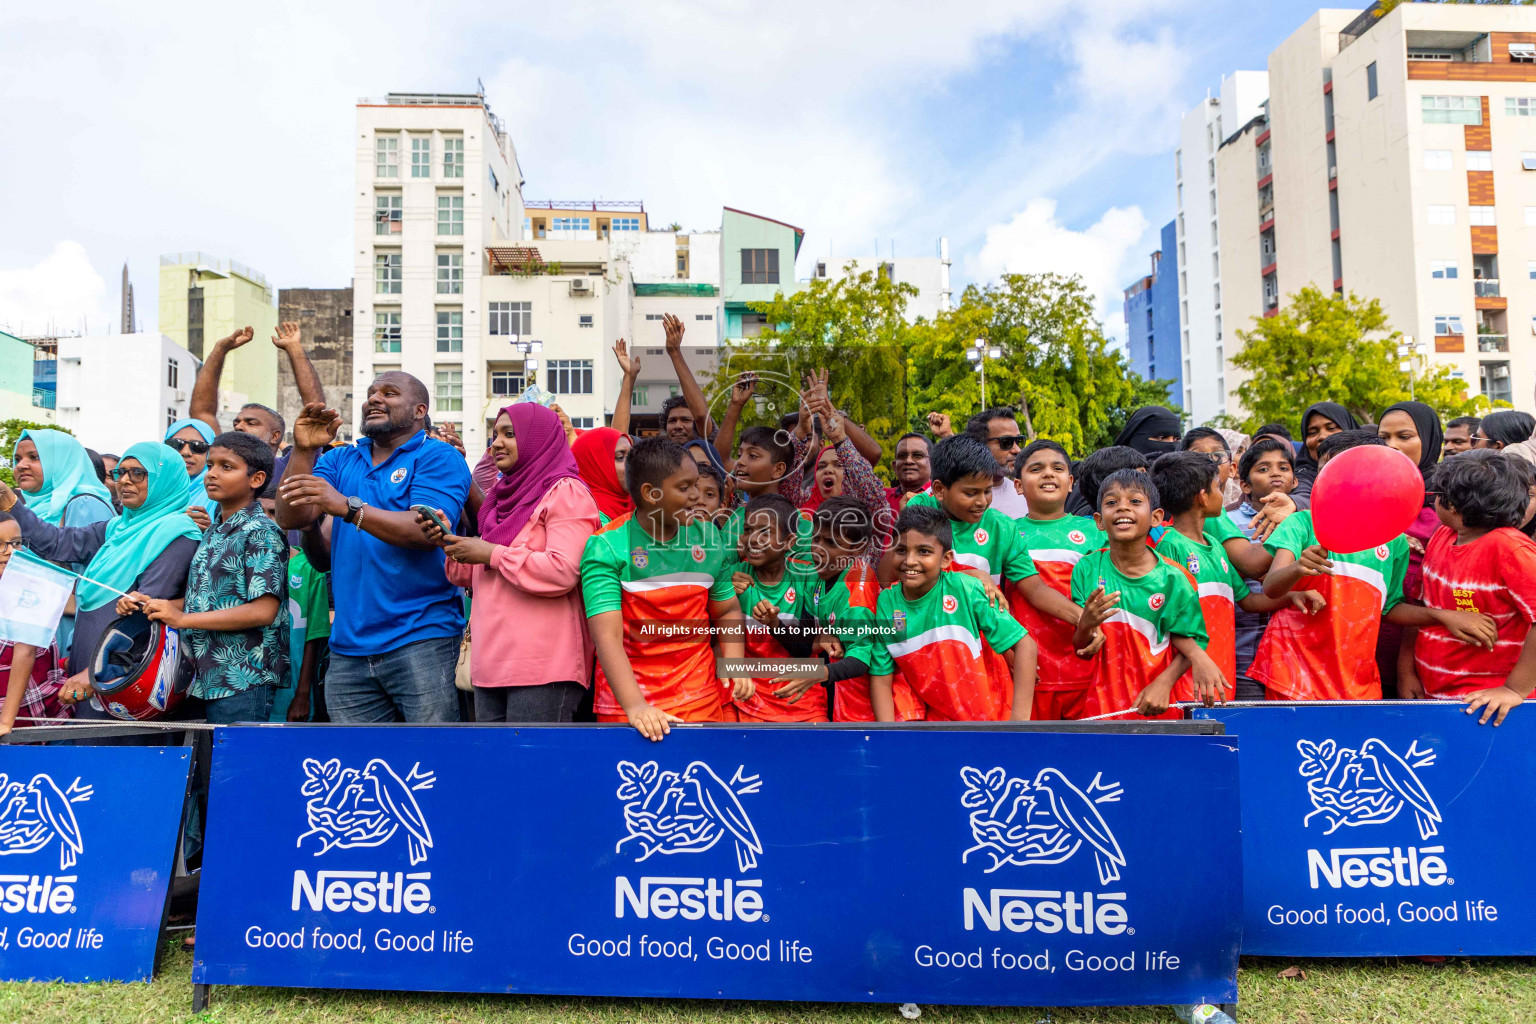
1330 654
939 621
775 595
1478 560
650 572
1056 542
1146 605
1190 485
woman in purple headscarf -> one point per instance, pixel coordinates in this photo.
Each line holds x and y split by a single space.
531 654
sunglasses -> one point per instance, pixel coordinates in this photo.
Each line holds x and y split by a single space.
198 447
1008 441
133 474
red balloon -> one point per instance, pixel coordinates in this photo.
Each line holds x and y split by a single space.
1364 497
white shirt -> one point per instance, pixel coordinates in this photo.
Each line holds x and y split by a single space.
1007 500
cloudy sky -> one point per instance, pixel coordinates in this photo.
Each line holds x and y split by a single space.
1037 134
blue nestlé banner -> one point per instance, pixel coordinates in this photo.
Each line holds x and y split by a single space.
988 867
1382 830
87 840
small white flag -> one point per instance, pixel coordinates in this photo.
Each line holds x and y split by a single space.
33 594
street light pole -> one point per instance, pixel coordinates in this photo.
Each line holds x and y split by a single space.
978 354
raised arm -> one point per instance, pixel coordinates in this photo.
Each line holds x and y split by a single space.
691 390
289 340
205 390
315 428
630 364
725 437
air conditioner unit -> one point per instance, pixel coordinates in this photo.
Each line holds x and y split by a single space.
180 395
581 286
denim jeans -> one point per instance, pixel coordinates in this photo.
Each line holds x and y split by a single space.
545 702
413 683
253 705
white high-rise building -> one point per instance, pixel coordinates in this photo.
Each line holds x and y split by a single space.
152 373
1202 330
928 274
438 184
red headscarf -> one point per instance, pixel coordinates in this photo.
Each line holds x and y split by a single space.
812 503
543 458
594 451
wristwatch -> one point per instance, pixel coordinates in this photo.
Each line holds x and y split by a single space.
354 506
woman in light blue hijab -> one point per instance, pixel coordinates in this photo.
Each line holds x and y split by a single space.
191 439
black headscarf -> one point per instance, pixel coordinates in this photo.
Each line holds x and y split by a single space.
1146 423
1306 463
1427 423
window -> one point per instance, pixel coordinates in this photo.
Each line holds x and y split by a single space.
507 383
386 330
386 273
584 320
495 185
583 422
704 316
172 373
1370 81
570 376
1442 215
421 156
1520 106
1480 216
386 156
450 330
453 157
171 417
1449 325
1216 290
1437 159
450 273
512 319
571 224
1528 161
1453 110
640 394
759 266
682 264
450 389
1213 201
1479 160
1530 270
1442 269
625 224
1522 53
1178 163
1215 265
450 214
387 214
1494 380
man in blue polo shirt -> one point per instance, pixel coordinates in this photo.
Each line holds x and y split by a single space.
395 641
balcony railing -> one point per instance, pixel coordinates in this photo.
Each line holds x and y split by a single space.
42 398
1486 287
1492 342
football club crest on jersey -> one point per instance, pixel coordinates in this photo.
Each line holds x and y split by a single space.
1192 563
1077 537
950 604
1155 601
698 552
398 476
899 621
789 595
1382 552
981 536
639 558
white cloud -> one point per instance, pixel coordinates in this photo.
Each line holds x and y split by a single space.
61 292
1103 254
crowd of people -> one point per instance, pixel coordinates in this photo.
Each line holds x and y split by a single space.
766 573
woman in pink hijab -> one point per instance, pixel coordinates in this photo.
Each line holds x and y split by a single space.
530 653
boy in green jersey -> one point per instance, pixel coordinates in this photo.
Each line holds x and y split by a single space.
775 596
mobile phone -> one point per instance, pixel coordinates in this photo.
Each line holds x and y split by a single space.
432 514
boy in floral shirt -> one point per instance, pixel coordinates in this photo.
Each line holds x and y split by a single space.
234 618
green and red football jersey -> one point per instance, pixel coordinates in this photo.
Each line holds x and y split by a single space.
937 648
793 594
663 590
1220 587
1055 546
845 609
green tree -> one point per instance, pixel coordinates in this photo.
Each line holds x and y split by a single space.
854 327
1335 348
1055 359
10 433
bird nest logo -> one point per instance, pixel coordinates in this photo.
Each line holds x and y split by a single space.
1368 786
1046 821
34 814
348 808
667 812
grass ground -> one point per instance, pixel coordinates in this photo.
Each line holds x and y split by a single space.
1333 992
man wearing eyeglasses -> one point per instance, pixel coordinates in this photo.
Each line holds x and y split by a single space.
998 429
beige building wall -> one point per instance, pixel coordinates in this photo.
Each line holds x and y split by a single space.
1242 295
233 296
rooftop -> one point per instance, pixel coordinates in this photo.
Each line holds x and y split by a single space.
584 204
213 264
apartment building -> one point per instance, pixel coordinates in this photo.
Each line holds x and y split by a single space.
153 370
928 274
1152 318
583 221
204 298
437 185
1396 159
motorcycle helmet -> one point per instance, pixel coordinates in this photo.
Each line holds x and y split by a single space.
139 670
